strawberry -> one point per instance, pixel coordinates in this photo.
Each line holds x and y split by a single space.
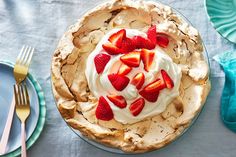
111 49
131 59
138 80
119 82
127 45
151 34
162 40
103 110
168 81
124 69
117 38
151 97
137 106
147 58
155 86
100 61
141 42
117 100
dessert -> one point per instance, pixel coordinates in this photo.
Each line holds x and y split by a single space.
130 75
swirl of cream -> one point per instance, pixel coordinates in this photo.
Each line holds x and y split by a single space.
101 86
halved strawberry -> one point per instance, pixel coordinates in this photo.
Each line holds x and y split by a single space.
111 49
100 61
155 86
141 42
117 100
117 38
147 58
168 81
131 59
137 106
151 97
124 69
119 82
127 45
162 40
103 110
138 80
152 33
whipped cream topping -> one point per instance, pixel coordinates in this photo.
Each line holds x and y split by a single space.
100 85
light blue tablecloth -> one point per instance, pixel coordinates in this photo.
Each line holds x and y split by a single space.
41 24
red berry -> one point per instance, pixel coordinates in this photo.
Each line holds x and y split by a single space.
162 40
141 42
131 59
119 82
124 69
155 86
151 97
111 49
100 61
168 81
127 45
117 100
151 34
103 110
138 80
147 58
137 106
117 38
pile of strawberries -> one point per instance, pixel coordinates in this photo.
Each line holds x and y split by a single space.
135 50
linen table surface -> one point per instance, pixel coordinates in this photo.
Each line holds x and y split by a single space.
41 24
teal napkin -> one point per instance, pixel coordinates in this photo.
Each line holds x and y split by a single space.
228 99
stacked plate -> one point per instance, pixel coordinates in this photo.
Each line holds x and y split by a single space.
36 120
222 14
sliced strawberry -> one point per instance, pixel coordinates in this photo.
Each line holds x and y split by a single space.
152 33
141 42
124 69
127 45
147 58
155 86
168 81
137 106
131 59
111 49
117 38
100 61
119 82
162 40
117 100
103 110
151 97
138 80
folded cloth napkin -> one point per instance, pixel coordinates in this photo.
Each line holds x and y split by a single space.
228 99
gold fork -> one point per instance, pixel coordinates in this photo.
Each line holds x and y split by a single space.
22 63
22 111
20 72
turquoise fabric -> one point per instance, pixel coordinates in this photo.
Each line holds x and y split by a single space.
228 100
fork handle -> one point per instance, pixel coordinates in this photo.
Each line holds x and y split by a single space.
7 129
23 137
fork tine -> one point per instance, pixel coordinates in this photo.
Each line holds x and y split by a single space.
16 95
23 94
25 54
30 57
19 95
26 95
20 54
27 59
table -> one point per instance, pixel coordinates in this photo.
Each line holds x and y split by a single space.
41 24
